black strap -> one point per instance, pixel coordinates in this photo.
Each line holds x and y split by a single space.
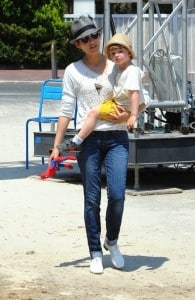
83 30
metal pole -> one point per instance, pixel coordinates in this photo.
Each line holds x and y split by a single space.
140 33
54 59
175 31
184 119
106 21
172 70
151 34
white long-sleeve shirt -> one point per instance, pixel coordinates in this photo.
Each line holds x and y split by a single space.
80 84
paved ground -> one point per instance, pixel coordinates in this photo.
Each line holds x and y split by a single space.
43 249
27 75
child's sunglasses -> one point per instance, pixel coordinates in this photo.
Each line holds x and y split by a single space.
93 36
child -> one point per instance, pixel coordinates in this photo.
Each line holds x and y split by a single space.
127 93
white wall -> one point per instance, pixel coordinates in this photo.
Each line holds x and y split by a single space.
84 7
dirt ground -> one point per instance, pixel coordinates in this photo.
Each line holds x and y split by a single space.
43 248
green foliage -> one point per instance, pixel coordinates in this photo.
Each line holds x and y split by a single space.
50 16
28 28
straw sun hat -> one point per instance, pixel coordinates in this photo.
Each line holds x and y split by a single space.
119 39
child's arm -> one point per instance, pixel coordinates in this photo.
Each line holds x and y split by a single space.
134 100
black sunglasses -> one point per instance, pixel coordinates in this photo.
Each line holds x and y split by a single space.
93 36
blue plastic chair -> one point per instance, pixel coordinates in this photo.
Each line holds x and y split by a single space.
51 89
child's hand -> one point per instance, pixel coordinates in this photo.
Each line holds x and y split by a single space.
131 122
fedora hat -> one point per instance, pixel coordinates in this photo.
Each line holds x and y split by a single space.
82 27
119 39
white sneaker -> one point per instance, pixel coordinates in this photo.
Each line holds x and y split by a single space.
116 257
96 266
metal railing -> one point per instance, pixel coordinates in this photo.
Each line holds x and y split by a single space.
149 32
122 21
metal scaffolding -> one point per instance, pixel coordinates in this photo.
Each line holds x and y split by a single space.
178 97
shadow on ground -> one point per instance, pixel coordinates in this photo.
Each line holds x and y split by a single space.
178 176
132 263
150 178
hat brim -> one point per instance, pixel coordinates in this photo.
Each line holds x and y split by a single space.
117 43
86 33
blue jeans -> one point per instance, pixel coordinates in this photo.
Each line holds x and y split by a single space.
110 148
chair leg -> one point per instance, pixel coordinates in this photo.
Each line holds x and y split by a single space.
27 154
42 158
